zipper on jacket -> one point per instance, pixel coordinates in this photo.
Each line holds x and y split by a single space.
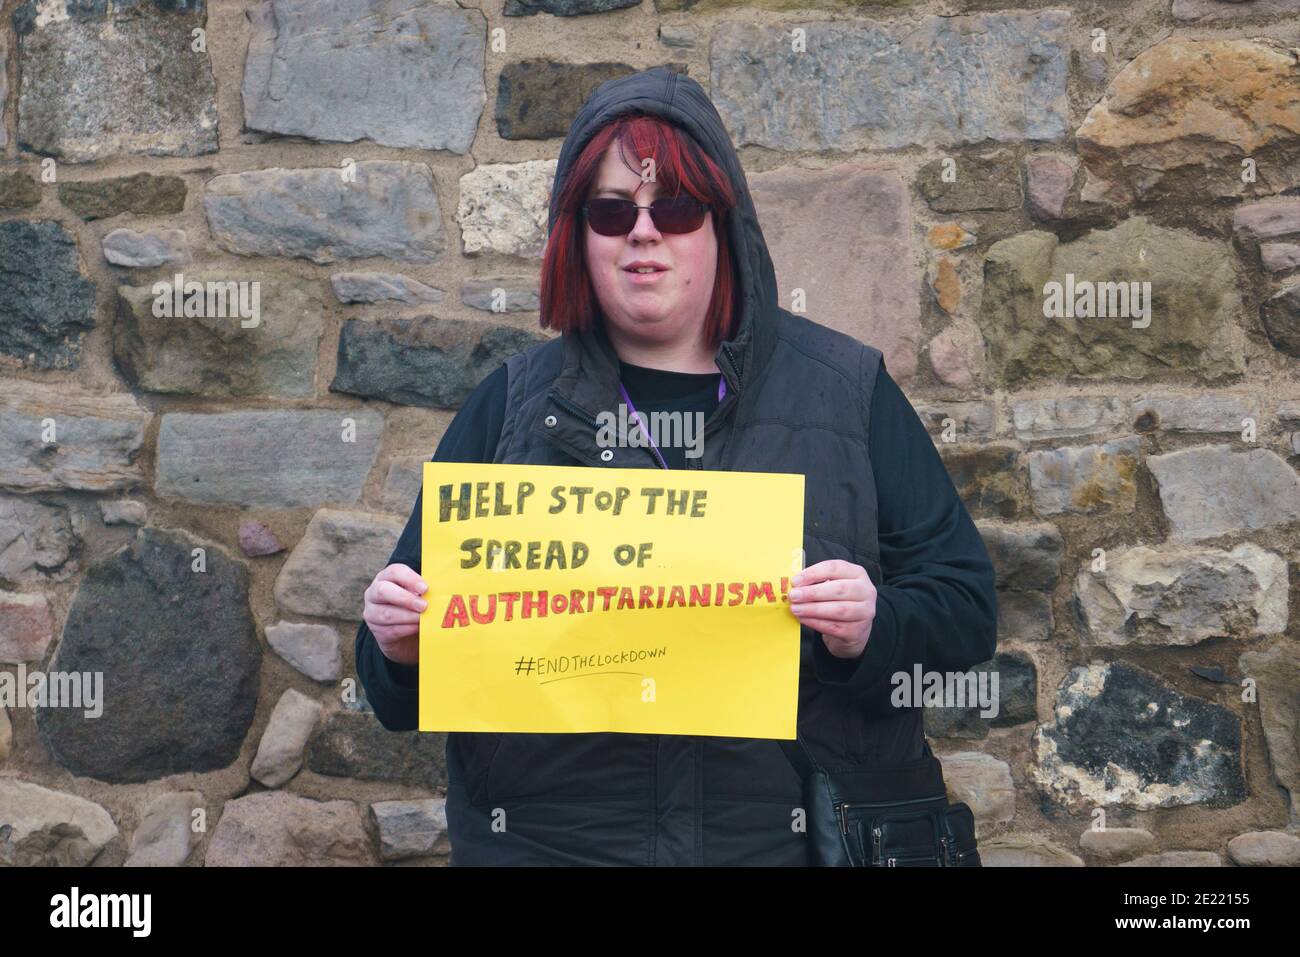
715 420
731 357
575 409
581 414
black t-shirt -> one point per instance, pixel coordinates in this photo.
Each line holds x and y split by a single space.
686 394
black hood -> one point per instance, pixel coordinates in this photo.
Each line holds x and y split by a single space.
681 101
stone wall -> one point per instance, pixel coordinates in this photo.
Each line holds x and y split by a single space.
924 173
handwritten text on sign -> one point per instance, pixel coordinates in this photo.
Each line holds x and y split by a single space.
576 599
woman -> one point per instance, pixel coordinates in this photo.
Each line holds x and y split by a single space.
657 276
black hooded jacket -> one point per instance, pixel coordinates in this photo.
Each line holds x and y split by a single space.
800 398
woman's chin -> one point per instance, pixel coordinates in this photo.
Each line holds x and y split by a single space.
650 326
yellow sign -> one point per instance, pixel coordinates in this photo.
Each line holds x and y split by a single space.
635 600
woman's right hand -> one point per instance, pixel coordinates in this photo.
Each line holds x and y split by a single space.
392 612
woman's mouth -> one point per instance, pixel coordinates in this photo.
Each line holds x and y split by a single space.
643 275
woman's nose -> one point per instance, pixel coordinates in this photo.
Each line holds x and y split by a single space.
645 226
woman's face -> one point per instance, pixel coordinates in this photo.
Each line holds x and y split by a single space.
657 308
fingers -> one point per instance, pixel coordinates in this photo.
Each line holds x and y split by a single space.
848 611
393 615
392 610
405 576
848 589
824 571
833 591
391 593
386 632
393 604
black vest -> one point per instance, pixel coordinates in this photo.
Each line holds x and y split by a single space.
798 400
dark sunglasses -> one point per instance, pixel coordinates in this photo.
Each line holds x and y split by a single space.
616 217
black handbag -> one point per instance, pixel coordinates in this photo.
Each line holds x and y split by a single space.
870 817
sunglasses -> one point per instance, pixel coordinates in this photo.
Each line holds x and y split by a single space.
616 217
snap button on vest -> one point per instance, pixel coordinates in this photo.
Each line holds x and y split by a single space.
550 421
606 455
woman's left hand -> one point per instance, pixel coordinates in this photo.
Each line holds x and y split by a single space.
837 599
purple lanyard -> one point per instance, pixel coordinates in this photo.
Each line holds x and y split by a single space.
722 390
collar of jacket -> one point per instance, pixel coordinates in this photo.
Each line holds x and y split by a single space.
588 382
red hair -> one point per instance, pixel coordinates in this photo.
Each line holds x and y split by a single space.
568 301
